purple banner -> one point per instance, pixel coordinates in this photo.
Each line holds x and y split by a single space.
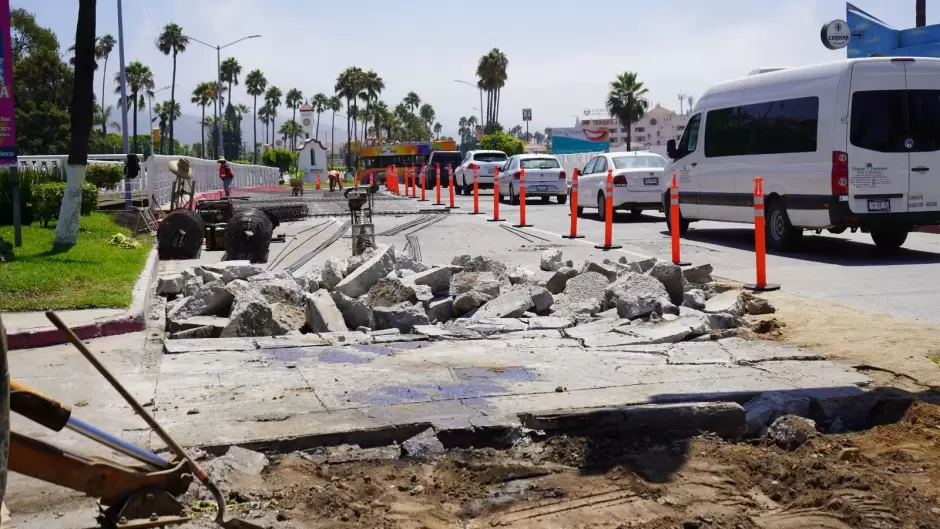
7 118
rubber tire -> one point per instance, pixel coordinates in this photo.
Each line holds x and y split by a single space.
601 207
562 199
513 197
683 222
779 232
889 240
636 212
546 199
169 246
580 211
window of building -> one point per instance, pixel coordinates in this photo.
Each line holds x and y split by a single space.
641 138
680 128
640 129
773 127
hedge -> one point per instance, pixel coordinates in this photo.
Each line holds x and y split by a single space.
47 199
104 175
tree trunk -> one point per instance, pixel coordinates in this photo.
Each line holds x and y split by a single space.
348 135
254 133
135 122
317 134
332 141
81 120
173 106
629 135
202 130
921 14
104 77
496 117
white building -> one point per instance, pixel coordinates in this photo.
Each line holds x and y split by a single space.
658 126
311 153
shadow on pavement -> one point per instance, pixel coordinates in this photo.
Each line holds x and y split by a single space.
817 248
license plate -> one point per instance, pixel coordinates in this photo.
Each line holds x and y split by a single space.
651 181
541 188
882 206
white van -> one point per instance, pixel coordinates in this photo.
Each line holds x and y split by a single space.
852 144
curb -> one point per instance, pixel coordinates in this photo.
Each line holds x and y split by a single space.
131 320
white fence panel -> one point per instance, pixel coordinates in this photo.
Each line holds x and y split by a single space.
52 162
206 176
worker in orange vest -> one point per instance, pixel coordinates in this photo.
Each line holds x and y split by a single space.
227 174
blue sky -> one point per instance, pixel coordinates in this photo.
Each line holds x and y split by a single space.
562 54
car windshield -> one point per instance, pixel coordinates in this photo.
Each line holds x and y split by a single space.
540 163
490 157
639 162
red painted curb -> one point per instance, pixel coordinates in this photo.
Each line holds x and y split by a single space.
47 337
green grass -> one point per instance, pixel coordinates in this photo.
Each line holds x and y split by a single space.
91 274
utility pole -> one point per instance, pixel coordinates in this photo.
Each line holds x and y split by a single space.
128 202
921 13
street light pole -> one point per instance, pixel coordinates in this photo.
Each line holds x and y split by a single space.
128 202
150 101
481 97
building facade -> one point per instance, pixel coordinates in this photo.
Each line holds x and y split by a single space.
658 126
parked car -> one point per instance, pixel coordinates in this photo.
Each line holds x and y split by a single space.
543 174
844 145
441 159
638 182
486 161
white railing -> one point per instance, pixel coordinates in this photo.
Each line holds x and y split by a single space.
53 162
159 179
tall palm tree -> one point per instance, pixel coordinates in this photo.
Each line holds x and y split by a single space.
266 114
202 96
272 99
102 51
492 71
347 86
627 102
230 70
165 112
428 115
333 104
102 115
81 110
380 115
172 41
372 87
140 82
290 129
255 83
437 130
319 103
293 100
412 101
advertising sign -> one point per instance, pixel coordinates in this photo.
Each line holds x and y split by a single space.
566 140
836 35
526 114
7 126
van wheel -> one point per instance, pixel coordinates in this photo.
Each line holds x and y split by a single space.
889 239
683 222
780 233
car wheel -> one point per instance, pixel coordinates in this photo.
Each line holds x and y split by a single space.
889 239
546 199
780 233
601 206
513 197
636 212
837 231
562 199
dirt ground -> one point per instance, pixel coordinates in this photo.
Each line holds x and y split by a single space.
886 477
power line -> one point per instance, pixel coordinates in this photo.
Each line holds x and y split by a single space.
155 25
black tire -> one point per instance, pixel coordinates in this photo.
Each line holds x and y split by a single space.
636 212
248 236
601 206
562 199
467 189
683 222
837 231
513 197
546 199
580 211
889 239
180 235
779 232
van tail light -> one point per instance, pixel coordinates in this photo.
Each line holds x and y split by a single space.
562 175
515 176
840 173
620 181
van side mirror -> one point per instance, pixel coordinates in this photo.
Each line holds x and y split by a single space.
671 149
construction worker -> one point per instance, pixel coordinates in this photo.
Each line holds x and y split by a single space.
227 174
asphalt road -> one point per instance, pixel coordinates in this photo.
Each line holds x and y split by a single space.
847 268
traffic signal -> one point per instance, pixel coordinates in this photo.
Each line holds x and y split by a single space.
156 136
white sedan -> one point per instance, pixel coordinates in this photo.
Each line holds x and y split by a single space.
543 175
485 161
638 182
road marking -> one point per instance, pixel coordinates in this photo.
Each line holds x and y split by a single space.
586 241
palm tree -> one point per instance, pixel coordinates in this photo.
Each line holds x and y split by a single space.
492 71
102 115
202 96
291 130
140 82
347 86
230 70
266 114
293 100
372 87
437 130
272 98
319 103
102 51
428 115
81 110
172 40
255 83
538 137
380 115
412 101
627 101
165 112
334 105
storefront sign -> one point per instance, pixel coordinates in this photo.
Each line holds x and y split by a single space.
7 126
836 35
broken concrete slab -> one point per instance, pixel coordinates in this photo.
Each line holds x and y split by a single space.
206 331
356 312
790 431
437 332
729 302
400 338
610 272
694 299
232 270
584 293
403 316
197 321
390 291
333 271
556 282
489 325
485 283
212 344
698 275
550 260
698 353
767 407
521 276
170 285
211 298
440 309
368 274
670 275
425 444
466 303
665 332
192 285
548 323
423 294
541 298
645 265
251 316
322 314
753 352
511 304
635 295
437 278
346 338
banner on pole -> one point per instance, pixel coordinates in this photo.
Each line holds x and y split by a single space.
7 117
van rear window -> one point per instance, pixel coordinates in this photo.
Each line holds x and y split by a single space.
884 120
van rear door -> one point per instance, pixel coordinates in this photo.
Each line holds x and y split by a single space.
879 162
923 104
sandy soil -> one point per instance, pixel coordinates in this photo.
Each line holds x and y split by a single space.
891 350
887 477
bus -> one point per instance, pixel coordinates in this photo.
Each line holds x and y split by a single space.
373 159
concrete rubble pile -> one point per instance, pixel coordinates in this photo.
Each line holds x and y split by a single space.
646 301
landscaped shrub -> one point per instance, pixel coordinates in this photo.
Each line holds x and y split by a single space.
89 199
47 199
104 175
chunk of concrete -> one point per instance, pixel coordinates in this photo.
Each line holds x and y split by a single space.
670 275
468 302
550 260
251 316
521 275
482 263
440 309
556 282
206 331
759 306
542 299
424 444
608 271
584 294
644 265
387 292
323 314
273 288
334 270
730 302
438 279
509 305
192 284
546 323
694 299
356 312
170 285
720 321
767 407
288 318
484 283
368 274
403 317
210 299
790 431
698 275
309 281
635 295
238 468
215 322
423 294
232 270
